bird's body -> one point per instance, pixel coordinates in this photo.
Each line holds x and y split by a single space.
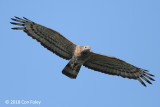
80 55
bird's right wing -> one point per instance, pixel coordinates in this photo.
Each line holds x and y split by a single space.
114 66
49 38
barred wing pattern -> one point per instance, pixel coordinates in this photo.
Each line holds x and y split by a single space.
64 48
114 66
49 38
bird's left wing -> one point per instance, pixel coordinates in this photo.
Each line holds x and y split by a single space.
49 38
114 66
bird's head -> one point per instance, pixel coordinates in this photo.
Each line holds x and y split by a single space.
85 49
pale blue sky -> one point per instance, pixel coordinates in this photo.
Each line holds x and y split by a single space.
127 29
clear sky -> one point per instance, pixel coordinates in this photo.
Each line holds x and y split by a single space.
127 29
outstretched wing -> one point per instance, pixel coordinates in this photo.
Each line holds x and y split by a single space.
49 38
114 66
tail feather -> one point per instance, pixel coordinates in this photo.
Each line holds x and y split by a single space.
71 70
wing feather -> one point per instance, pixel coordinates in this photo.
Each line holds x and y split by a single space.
48 38
114 66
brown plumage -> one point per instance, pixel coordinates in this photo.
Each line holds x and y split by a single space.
80 55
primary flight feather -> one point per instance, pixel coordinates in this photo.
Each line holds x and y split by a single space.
80 55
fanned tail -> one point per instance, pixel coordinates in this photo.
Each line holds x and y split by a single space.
71 70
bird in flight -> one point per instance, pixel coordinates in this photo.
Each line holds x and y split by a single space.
79 55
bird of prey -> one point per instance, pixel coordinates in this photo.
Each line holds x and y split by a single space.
79 55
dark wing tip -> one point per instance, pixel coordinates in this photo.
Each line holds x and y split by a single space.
18 28
19 22
12 19
148 77
149 82
15 28
145 76
152 79
25 18
144 84
146 72
17 17
141 82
